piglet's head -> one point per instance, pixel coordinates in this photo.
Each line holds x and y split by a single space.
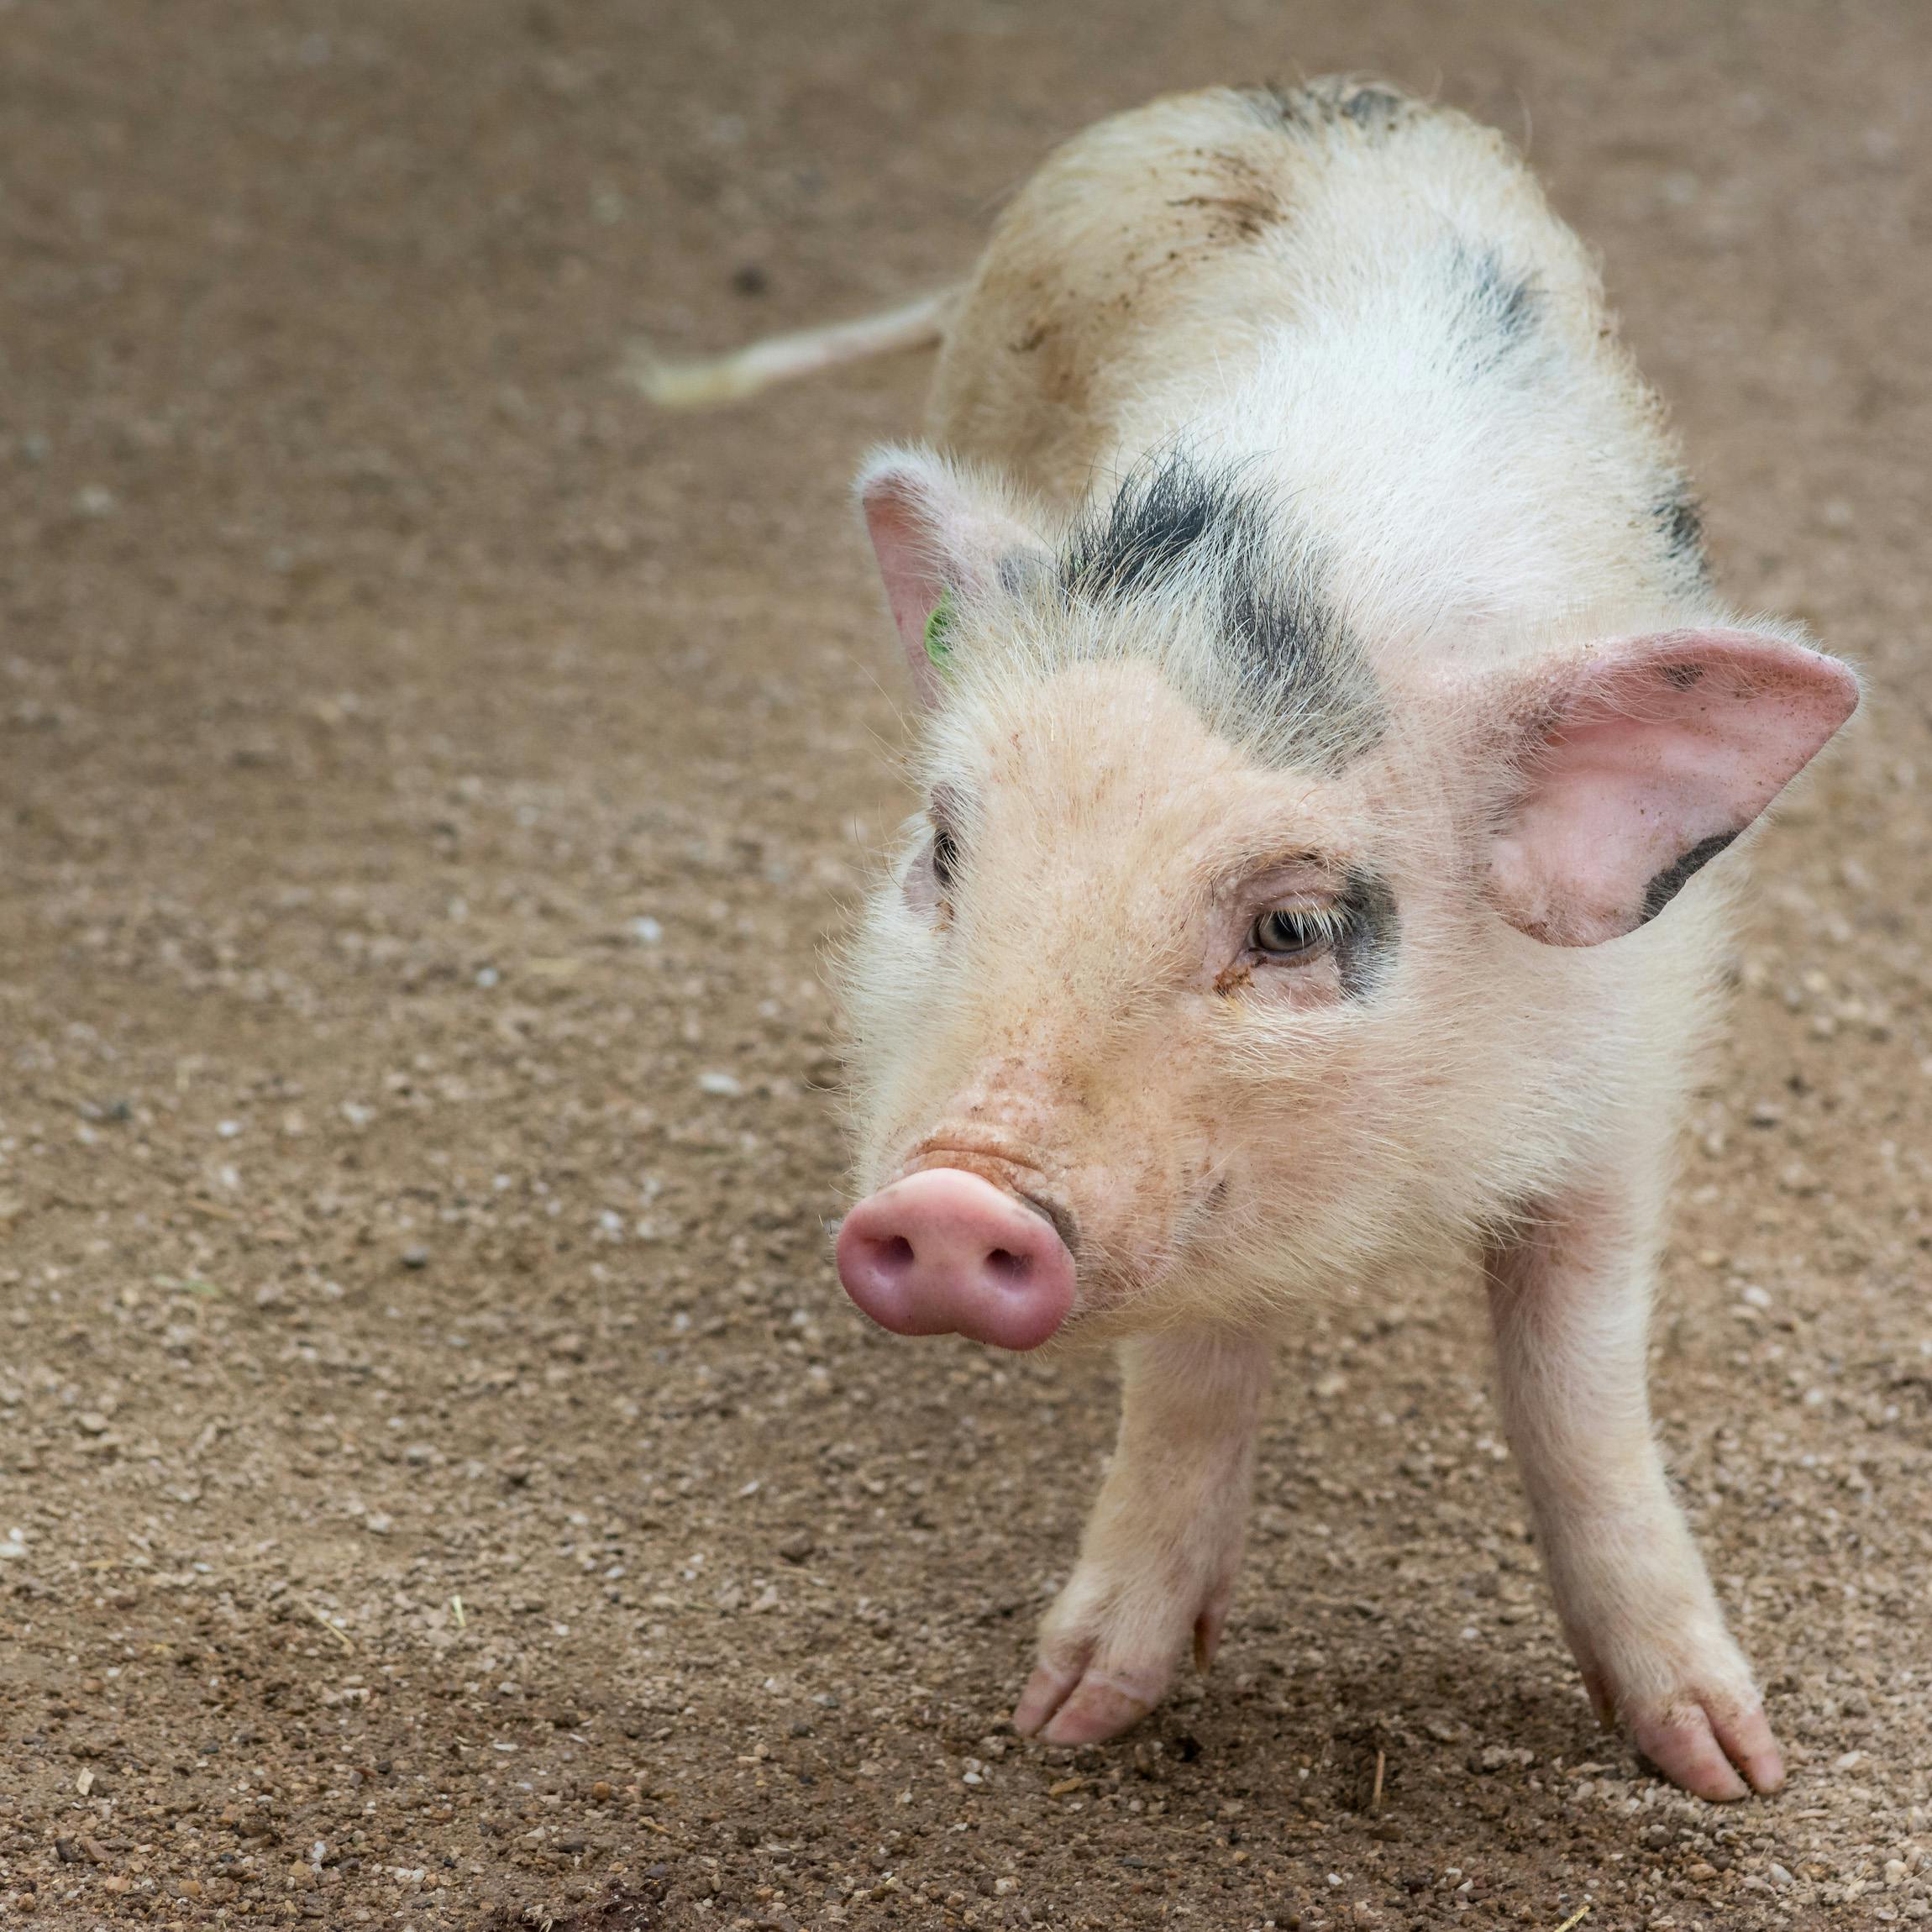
1195 974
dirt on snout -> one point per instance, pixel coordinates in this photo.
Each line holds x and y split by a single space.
441 1483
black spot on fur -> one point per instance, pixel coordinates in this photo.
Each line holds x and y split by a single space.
1504 310
1376 108
1683 677
1366 950
1374 111
1019 571
1677 520
1166 517
1175 527
1675 876
1511 299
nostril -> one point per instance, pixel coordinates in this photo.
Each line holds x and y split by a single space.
945 1252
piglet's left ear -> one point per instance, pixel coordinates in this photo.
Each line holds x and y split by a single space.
1641 762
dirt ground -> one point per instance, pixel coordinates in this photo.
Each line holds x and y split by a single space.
441 1483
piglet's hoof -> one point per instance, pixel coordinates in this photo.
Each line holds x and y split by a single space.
1707 1732
1109 1645
1082 1708
1714 1749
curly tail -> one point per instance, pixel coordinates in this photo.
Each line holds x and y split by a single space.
701 383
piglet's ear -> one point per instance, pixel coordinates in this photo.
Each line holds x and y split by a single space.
1641 762
939 537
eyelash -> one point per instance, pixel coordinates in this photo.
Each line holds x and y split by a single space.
945 859
1316 928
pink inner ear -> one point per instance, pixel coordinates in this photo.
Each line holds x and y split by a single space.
933 530
1647 760
900 519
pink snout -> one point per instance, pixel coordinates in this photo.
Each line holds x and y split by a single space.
944 1253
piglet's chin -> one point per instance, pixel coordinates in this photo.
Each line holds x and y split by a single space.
944 1253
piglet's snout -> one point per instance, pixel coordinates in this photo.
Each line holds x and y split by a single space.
944 1253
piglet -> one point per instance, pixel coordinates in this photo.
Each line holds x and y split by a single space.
1329 726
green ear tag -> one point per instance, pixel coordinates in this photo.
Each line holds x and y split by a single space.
937 650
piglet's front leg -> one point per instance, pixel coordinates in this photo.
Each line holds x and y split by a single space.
1570 1304
1158 1563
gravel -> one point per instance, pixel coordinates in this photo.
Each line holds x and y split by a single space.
458 1495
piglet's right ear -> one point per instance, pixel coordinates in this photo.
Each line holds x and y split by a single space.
937 536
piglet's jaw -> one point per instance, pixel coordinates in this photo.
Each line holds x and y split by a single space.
944 1253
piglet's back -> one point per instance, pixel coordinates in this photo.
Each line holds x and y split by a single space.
1366 297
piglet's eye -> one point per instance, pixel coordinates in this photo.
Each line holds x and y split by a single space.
1285 935
945 857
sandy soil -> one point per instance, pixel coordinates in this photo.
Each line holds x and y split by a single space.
440 1481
